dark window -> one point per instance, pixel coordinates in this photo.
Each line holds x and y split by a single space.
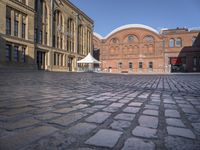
45 39
16 23
58 59
16 54
57 42
8 52
24 1
61 43
35 35
140 65
40 37
23 30
120 65
8 25
54 41
150 65
54 59
23 57
194 61
130 65
36 5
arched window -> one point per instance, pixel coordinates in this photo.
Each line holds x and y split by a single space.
171 43
148 38
178 42
115 41
132 38
193 40
70 35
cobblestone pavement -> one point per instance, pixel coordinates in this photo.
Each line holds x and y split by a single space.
89 111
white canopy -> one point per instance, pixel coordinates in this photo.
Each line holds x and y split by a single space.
88 60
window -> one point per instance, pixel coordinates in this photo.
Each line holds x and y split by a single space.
171 43
40 37
23 57
23 30
8 25
16 23
120 65
140 65
61 43
150 65
54 59
148 38
45 38
35 35
8 52
130 65
115 40
54 41
178 42
195 61
193 40
130 38
16 54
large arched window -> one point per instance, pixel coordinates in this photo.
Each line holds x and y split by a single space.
148 38
58 29
70 35
171 43
178 42
80 39
132 38
115 41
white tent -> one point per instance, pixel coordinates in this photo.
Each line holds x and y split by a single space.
88 63
89 59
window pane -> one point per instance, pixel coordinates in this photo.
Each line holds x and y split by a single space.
16 54
16 28
171 43
23 55
178 42
8 52
140 65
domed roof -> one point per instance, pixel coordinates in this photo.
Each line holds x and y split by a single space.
128 26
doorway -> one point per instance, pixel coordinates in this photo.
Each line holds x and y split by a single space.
41 60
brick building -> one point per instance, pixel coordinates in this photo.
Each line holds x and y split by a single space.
137 48
43 34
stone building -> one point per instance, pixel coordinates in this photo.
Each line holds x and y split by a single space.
137 48
43 34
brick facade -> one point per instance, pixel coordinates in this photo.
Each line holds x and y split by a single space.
141 49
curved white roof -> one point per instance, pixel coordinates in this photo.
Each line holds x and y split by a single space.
98 35
132 26
126 27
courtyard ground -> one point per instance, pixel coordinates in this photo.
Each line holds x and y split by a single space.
90 111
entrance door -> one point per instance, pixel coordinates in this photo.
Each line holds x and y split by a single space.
178 64
41 60
70 63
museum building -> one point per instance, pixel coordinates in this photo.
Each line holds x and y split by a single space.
43 34
137 48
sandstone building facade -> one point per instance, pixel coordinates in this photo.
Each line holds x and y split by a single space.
43 34
137 48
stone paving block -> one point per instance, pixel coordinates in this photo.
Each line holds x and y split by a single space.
180 132
23 123
25 137
138 144
111 109
131 109
196 126
150 112
47 116
68 119
155 107
125 116
81 129
78 101
175 122
178 143
98 117
189 110
104 138
144 132
172 113
120 125
116 105
148 121
64 110
137 104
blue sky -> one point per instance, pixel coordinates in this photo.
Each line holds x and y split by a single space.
110 14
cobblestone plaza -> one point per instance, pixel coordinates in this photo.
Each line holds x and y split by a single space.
90 111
